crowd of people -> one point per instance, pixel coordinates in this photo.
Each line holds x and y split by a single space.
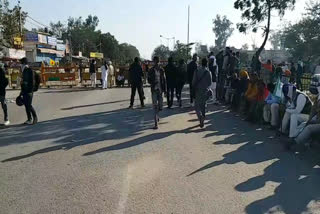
265 93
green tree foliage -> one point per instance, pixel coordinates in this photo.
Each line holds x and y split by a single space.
161 51
86 38
256 12
303 38
276 40
9 22
181 51
222 28
127 53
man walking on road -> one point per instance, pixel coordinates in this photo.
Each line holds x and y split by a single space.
27 89
3 84
156 79
201 82
192 67
135 79
170 71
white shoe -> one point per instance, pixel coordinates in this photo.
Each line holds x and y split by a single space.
7 123
28 122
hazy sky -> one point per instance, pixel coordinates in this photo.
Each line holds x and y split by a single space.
141 22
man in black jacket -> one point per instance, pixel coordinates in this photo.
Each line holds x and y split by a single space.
170 71
135 79
3 84
27 87
192 67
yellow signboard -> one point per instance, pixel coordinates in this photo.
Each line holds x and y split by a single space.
96 55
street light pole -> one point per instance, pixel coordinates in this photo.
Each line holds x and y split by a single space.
188 24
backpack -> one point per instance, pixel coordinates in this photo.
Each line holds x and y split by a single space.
36 81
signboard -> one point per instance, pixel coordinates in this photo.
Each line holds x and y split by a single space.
31 37
16 54
52 41
17 41
60 54
42 38
61 47
96 55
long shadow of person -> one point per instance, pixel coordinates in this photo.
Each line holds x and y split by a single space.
299 185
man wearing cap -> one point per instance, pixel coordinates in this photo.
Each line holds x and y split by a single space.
3 84
297 111
312 126
27 86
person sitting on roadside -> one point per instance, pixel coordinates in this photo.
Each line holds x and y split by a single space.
251 92
312 127
257 103
298 107
241 89
120 80
271 108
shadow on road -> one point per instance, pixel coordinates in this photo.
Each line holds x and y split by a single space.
297 174
96 104
70 132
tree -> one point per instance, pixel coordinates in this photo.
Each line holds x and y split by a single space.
245 47
303 38
181 51
58 29
275 40
127 53
202 50
161 51
222 30
9 22
256 12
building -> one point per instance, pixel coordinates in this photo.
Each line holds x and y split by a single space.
41 47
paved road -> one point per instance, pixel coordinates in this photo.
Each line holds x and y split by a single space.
89 154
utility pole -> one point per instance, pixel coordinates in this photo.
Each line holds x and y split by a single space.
188 24
20 21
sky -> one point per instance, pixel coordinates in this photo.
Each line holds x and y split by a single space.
141 22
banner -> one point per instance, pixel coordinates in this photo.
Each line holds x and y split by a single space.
16 54
42 38
31 37
61 47
52 41
96 55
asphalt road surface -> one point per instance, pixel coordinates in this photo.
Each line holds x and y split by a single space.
90 154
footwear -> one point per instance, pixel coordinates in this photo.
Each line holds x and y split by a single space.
155 127
28 122
35 121
142 106
6 123
130 107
